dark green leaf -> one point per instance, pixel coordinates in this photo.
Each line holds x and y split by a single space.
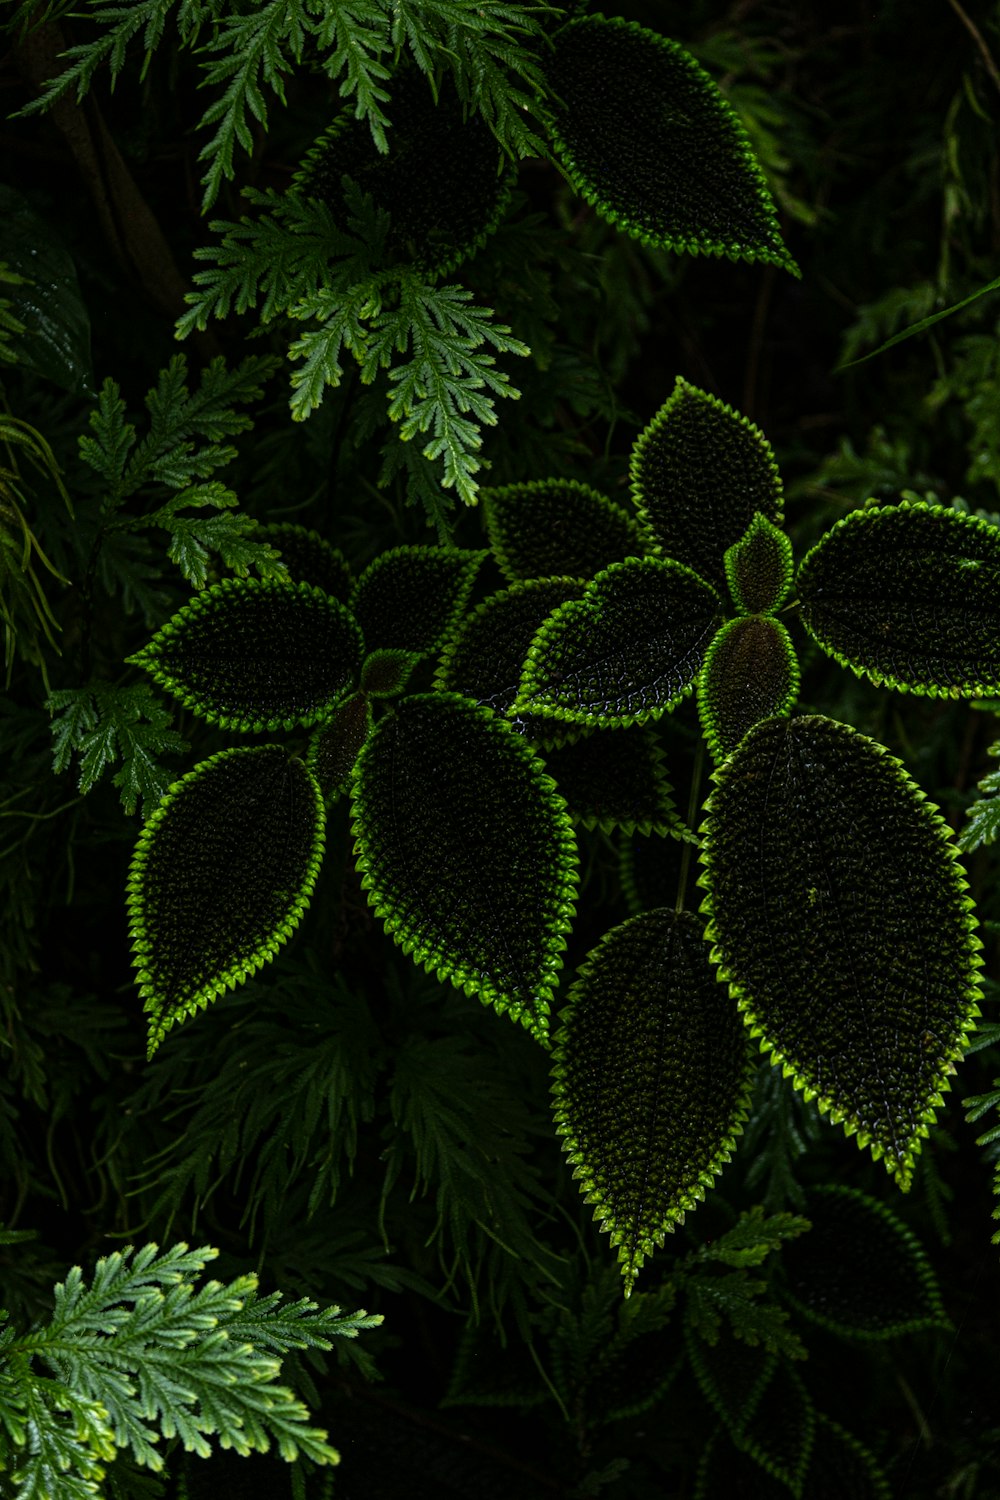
386 671
909 596
651 1079
647 138
841 920
47 302
782 1429
335 746
488 1372
732 1375
700 472
841 1468
616 778
726 1470
627 651
750 673
467 851
744 1301
759 568
256 656
410 598
860 1271
220 878
309 558
555 527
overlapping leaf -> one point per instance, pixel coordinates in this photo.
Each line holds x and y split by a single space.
221 875
336 745
861 1272
759 568
651 1079
732 1375
624 653
467 851
750 673
841 920
309 558
616 778
410 598
700 472
782 1428
909 596
257 656
555 527
648 139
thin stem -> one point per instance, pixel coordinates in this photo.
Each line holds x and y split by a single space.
977 37
692 813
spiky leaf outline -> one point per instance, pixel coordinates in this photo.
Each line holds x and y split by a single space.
638 633
836 1277
386 671
309 557
935 629
600 1048
713 1365
699 472
335 746
617 778
216 655
430 747
750 673
557 527
841 1446
630 149
732 928
784 1403
759 568
172 859
412 597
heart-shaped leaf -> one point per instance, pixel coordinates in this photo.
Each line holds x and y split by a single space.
759 568
336 745
647 138
624 653
750 673
616 778
309 558
555 527
410 598
909 596
467 851
221 875
841 920
651 1079
860 1271
700 472
254 656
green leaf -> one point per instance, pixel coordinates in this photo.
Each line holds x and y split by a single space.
750 673
386 671
552 527
104 724
908 596
334 748
782 1428
732 1375
440 182
651 1079
745 1302
616 778
410 598
754 1237
467 851
54 336
220 878
256 656
841 920
841 1468
647 138
700 472
982 824
861 1272
309 558
759 568
193 539
922 325
627 651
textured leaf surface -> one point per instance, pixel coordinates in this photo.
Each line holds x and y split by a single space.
861 1272
335 746
54 340
782 1428
841 921
700 472
220 878
909 596
309 558
750 673
732 1375
648 139
557 527
410 598
467 851
616 778
386 672
627 651
650 1078
257 656
759 568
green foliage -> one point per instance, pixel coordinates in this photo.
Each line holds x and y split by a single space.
104 724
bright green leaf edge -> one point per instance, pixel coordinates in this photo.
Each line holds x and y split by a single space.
501 534
761 527
710 719
467 563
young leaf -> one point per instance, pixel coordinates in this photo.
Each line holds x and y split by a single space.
334 748
651 1079
616 778
387 671
220 878
983 817
759 568
557 526
624 653
860 1271
410 598
257 656
467 851
908 596
647 138
841 921
700 472
750 672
